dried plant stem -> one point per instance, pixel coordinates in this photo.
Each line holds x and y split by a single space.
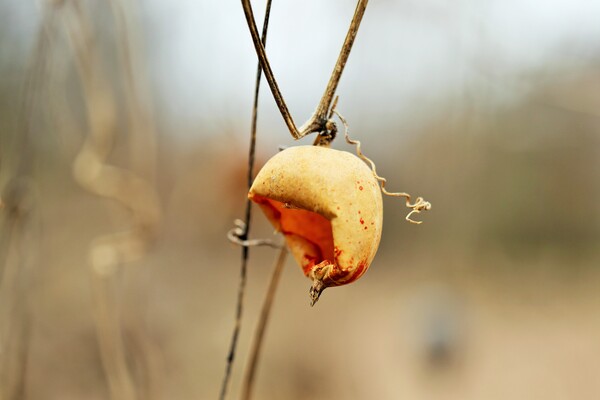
20 225
243 236
318 121
108 327
18 259
236 234
259 335
140 116
91 170
143 151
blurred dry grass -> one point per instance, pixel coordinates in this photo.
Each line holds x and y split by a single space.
495 296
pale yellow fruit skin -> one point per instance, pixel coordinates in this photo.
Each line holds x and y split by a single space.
336 185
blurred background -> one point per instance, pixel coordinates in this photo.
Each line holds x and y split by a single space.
124 129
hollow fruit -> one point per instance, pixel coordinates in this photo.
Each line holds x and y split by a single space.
328 206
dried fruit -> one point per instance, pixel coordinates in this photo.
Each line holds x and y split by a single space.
327 203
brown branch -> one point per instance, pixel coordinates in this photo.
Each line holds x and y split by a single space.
259 336
318 121
247 218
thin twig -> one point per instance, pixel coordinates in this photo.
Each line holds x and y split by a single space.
20 223
318 121
92 171
320 114
143 150
236 235
254 356
248 213
140 116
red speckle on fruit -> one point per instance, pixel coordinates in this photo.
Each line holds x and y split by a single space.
362 221
360 188
337 251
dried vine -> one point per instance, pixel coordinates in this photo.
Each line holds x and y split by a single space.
92 171
240 233
318 121
254 356
20 226
419 205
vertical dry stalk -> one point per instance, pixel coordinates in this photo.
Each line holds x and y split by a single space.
143 157
261 327
91 170
140 116
19 227
247 218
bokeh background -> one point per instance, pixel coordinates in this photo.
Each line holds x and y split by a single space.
489 109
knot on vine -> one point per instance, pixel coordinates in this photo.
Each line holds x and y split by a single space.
239 234
327 135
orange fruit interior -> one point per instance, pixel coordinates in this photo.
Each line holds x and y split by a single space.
308 234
